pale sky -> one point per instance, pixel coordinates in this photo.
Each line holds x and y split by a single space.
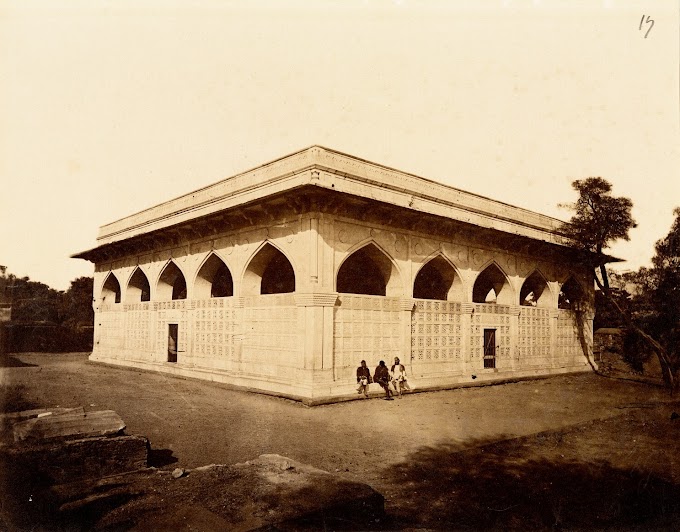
107 108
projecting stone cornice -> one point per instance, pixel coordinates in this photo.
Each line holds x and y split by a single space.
331 170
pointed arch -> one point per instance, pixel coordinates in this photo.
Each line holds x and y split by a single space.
438 279
369 270
535 291
138 287
492 286
269 271
213 279
571 295
111 289
171 283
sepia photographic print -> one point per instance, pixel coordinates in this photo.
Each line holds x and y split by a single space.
339 265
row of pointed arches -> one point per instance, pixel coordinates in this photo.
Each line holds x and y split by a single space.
368 270
269 272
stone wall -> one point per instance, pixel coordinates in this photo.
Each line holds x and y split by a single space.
308 343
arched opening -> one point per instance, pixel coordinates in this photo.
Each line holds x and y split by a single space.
138 288
171 284
278 277
111 289
534 292
368 271
571 295
438 280
213 279
491 286
269 272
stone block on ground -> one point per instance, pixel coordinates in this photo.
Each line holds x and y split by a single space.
15 417
9 419
57 461
269 493
69 425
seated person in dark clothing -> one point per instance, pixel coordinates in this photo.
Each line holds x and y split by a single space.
382 377
363 378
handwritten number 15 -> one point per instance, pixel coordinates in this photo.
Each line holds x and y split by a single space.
648 21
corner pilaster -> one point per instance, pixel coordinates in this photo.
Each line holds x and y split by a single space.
554 315
514 313
316 317
466 311
406 306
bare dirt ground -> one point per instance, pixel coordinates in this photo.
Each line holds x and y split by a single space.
578 452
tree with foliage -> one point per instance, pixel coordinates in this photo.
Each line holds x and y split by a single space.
599 220
657 300
45 319
33 301
76 304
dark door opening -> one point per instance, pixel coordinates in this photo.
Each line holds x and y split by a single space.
489 348
173 333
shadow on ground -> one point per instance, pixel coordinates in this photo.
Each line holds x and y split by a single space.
498 486
13 398
8 361
161 458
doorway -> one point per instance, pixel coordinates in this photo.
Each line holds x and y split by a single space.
173 334
489 348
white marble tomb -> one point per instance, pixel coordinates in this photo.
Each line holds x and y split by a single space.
283 278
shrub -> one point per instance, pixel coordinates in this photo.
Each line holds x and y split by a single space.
635 350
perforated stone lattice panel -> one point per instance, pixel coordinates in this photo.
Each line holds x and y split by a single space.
436 333
534 338
568 349
138 320
111 320
271 341
213 327
365 328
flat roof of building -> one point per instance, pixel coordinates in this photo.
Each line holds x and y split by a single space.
323 167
